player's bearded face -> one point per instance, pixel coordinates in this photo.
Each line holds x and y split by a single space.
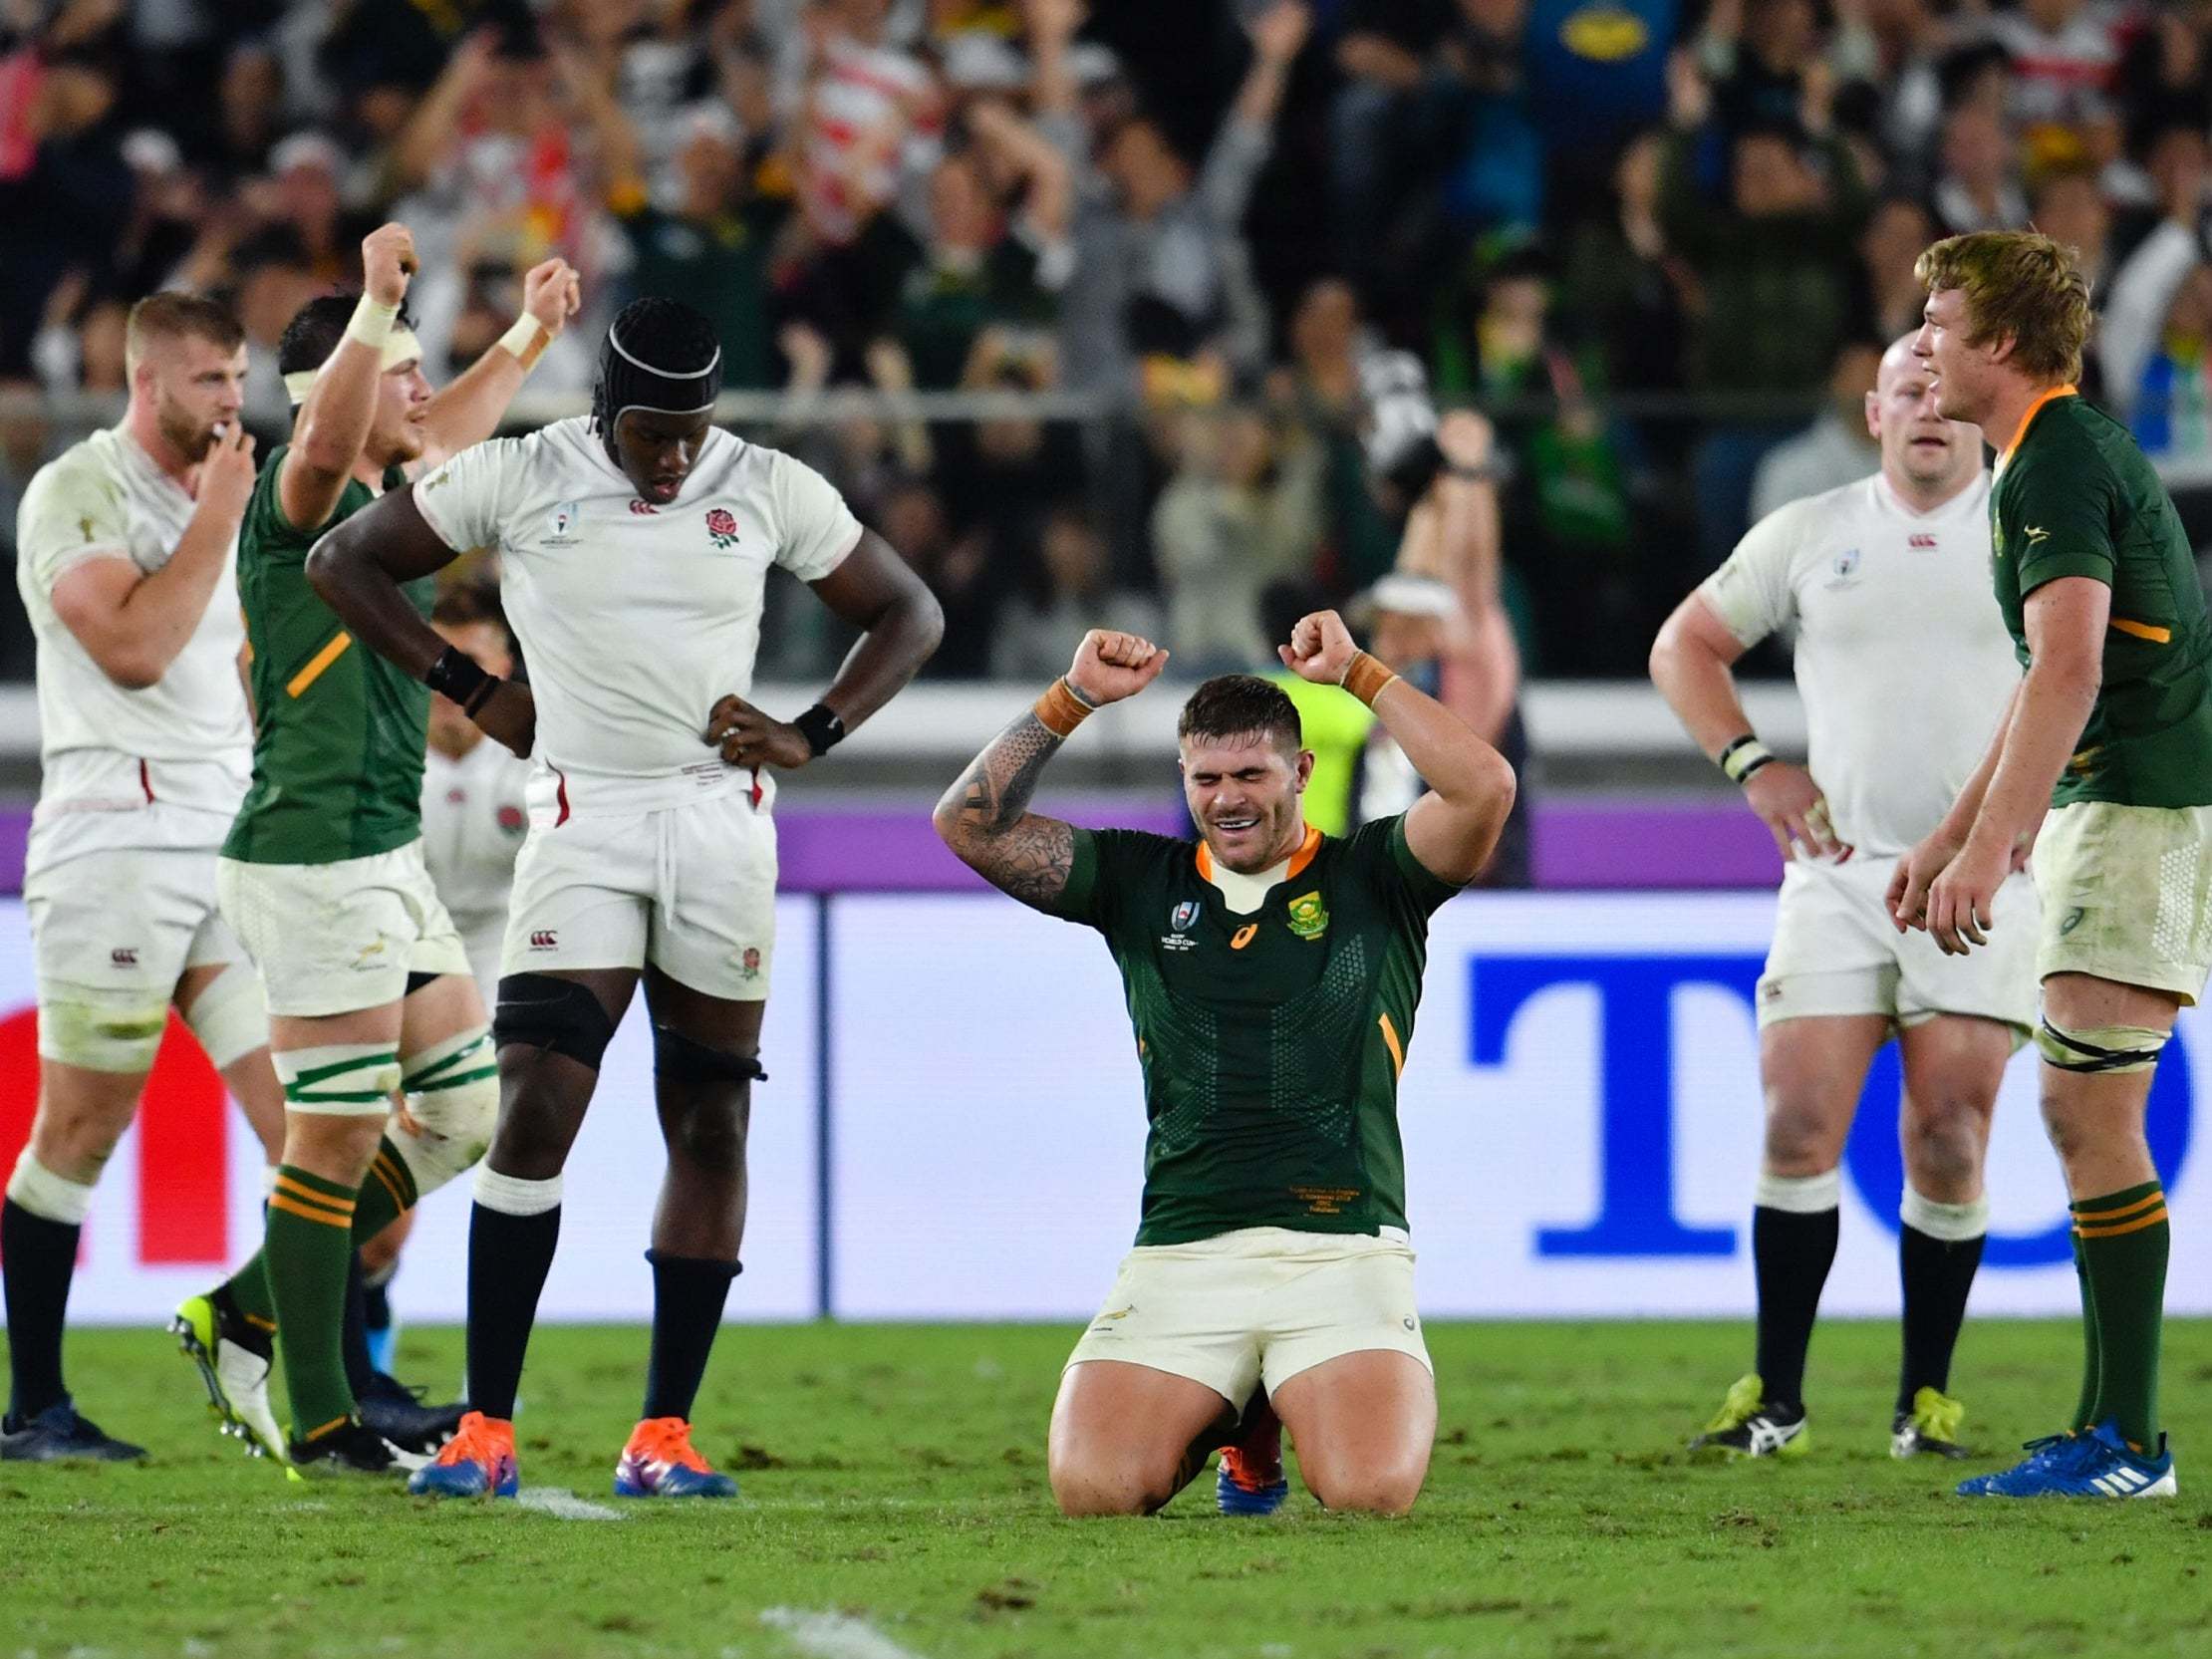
197 388
1244 796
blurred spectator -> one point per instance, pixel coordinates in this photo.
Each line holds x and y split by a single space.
979 272
2142 289
1064 593
1321 388
1597 74
1775 260
273 279
302 193
1160 245
61 170
912 518
1836 449
1896 232
2172 417
709 244
1631 292
2066 56
249 102
1979 187
1243 512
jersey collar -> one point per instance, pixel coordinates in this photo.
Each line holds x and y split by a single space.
1245 894
2051 395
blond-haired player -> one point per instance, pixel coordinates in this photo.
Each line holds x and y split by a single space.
125 546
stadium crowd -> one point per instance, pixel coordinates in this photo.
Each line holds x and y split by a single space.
1661 247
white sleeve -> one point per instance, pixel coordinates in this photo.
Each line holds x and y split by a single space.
1751 592
70 513
815 527
465 497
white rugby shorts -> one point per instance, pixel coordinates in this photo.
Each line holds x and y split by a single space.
1836 952
124 923
1259 1305
690 888
338 938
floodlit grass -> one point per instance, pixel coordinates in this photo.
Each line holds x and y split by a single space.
895 1504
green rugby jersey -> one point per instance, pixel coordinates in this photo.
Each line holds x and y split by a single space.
338 732
1271 1042
2073 496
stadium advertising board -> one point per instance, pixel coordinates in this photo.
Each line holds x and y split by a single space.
1581 1112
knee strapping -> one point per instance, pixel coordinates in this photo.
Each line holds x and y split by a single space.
541 1010
2100 1048
510 1194
1953 1223
1799 1195
680 1060
344 1079
229 1016
101 1030
452 1106
47 1196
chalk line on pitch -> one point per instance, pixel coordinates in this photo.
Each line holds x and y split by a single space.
827 1635
566 1505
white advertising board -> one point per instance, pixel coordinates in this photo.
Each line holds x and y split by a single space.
1580 1113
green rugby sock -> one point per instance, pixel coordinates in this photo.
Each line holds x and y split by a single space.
2124 1239
387 1193
307 1252
2093 1359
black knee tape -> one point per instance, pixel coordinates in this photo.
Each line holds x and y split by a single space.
416 981
680 1060
539 1010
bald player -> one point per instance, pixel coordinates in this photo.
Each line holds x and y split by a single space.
1885 583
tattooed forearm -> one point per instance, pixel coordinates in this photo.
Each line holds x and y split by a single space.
985 819
997 790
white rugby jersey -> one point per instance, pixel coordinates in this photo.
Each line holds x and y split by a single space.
104 749
473 817
1903 660
634 618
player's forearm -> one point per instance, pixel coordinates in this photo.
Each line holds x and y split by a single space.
357 570
470 409
159 614
985 820
898 641
2049 711
334 417
1701 689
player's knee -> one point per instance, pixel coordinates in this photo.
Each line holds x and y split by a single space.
1944 1141
533 1136
229 1016
711 1134
1800 1138
1109 1482
452 1107
1377 1484
557 1016
114 1031
1373 1492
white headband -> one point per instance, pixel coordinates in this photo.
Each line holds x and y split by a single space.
399 346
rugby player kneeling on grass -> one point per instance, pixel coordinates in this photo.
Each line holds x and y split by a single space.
1273 974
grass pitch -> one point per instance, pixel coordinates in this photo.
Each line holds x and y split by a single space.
895 1508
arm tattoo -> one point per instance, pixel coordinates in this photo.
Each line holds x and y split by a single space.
1023 855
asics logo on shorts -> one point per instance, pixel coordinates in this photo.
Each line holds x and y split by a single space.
544 939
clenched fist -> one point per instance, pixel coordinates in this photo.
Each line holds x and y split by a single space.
1110 665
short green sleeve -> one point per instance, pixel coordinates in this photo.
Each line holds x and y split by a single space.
2058 522
1075 900
1379 850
